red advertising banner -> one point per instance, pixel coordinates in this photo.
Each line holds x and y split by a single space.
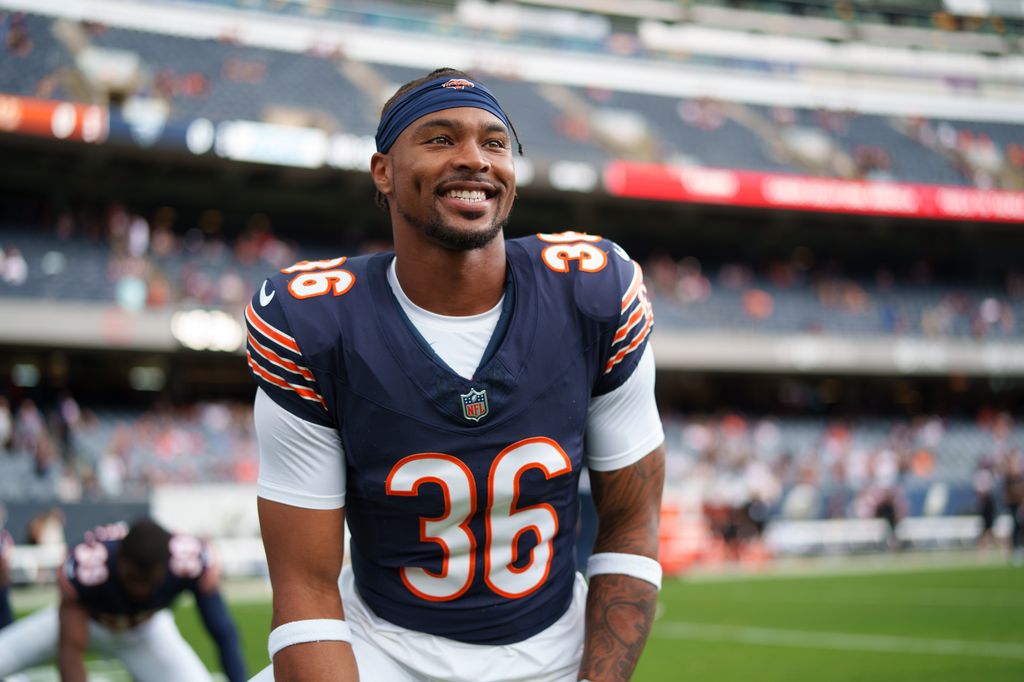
776 190
54 119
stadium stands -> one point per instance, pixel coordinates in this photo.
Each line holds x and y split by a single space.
169 269
224 80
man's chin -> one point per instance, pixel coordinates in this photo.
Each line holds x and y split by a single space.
468 236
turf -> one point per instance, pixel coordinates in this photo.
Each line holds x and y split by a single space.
927 624
924 625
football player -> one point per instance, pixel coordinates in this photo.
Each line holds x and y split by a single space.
443 400
116 589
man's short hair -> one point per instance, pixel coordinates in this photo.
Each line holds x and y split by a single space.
146 546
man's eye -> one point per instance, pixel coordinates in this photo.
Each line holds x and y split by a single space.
497 144
440 139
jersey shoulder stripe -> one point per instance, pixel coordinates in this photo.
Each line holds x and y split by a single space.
276 360
268 331
608 287
637 321
275 380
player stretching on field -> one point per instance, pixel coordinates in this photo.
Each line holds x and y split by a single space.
443 400
115 592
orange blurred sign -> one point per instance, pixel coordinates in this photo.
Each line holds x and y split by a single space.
54 119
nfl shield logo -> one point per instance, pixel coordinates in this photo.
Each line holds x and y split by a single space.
474 405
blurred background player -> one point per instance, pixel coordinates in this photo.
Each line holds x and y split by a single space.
116 588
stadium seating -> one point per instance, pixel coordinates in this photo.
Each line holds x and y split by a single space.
223 80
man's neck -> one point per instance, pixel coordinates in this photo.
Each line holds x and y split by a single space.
454 283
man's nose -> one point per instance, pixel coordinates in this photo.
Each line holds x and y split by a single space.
470 155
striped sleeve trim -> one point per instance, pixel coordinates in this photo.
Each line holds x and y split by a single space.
261 326
633 290
638 321
302 391
276 360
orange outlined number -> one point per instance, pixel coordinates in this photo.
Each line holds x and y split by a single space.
573 246
450 530
505 521
319 277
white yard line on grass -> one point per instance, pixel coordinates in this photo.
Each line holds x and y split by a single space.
849 564
836 640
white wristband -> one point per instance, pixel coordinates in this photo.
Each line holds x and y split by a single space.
314 630
633 565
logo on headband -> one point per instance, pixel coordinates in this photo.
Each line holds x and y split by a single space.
459 84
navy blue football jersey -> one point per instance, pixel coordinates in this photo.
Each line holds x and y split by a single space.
89 576
461 494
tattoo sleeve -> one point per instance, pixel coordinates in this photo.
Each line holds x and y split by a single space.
620 608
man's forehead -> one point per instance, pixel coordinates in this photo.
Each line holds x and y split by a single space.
460 118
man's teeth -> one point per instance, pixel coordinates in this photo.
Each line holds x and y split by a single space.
467 195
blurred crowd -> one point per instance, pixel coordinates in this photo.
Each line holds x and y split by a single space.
72 453
151 261
745 470
802 294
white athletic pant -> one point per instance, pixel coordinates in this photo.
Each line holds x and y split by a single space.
385 651
152 652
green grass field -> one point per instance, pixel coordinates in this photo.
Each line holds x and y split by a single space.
905 624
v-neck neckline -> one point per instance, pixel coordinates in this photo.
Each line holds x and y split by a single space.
419 361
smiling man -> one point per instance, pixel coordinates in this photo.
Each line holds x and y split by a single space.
443 400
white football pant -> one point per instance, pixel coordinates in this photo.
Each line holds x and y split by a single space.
385 651
153 651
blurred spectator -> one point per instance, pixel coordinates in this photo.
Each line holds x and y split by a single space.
15 268
758 304
6 424
19 42
1013 495
29 427
984 484
47 528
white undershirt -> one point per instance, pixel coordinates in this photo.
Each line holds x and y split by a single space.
303 464
459 341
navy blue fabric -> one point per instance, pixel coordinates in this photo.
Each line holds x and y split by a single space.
435 95
222 629
6 614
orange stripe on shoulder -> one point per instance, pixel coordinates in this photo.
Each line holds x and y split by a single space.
634 286
302 391
621 355
276 360
275 335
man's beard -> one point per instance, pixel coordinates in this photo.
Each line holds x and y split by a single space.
451 238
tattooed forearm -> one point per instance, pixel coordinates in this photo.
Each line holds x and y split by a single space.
620 608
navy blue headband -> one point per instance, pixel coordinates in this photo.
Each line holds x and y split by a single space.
436 95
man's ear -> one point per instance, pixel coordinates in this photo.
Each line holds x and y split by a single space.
380 170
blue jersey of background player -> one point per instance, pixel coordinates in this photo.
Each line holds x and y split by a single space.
120 578
443 400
